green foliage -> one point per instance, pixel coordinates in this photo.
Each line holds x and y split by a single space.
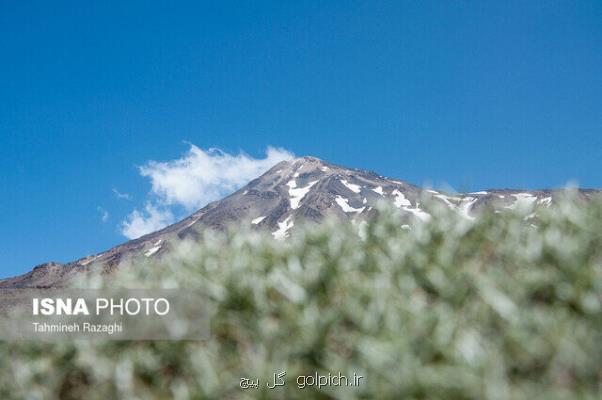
494 308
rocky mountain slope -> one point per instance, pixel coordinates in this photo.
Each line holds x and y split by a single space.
305 189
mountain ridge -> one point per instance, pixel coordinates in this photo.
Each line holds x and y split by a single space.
305 188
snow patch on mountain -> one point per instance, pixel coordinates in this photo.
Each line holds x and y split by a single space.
466 206
344 204
403 203
379 190
351 186
283 227
90 259
545 201
153 250
194 221
297 194
447 200
523 200
400 199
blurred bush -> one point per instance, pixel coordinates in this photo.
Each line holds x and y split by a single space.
503 307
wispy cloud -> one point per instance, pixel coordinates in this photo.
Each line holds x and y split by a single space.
121 196
203 176
197 178
151 219
104 214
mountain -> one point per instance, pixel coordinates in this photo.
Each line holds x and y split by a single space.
305 189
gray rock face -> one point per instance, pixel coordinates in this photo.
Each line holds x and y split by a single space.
305 189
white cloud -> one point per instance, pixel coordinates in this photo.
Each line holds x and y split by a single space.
203 176
121 196
192 181
150 220
104 214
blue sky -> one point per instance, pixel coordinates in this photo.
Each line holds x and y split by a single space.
468 94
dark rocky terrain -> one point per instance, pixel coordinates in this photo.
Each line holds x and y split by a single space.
305 189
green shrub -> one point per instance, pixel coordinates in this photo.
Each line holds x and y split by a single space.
495 308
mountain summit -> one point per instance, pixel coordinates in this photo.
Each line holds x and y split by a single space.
304 189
